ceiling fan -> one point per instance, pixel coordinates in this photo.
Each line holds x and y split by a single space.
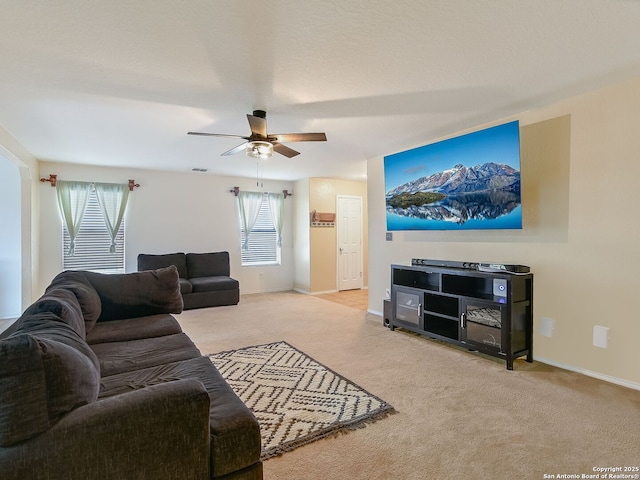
260 144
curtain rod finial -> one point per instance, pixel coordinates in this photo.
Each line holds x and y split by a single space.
287 194
235 191
132 185
52 179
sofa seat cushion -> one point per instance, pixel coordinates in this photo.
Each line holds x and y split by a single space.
46 373
185 286
214 284
134 329
118 357
154 262
235 432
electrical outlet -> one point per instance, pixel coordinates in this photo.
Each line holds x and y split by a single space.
389 236
547 325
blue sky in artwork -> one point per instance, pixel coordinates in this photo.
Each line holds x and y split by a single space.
500 144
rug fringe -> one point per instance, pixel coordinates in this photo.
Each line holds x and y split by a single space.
329 432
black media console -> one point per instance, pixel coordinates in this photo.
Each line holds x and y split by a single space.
490 312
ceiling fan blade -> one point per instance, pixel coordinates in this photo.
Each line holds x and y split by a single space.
258 125
299 137
284 150
217 135
235 150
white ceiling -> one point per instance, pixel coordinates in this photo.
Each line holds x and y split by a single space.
120 83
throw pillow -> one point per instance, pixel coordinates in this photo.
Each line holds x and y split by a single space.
131 295
86 295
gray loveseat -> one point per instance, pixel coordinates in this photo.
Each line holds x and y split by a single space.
98 381
204 277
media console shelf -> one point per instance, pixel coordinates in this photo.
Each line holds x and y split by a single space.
488 312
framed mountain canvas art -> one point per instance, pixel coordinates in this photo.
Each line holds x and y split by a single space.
469 182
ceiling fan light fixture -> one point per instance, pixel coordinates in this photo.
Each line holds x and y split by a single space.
259 149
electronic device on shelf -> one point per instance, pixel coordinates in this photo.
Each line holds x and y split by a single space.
501 267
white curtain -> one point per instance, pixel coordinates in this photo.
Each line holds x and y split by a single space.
112 198
72 202
276 202
249 205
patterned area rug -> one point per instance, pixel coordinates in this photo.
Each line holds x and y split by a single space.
295 399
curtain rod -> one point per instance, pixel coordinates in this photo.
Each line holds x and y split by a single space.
54 178
236 191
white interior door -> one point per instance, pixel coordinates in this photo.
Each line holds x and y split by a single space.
349 225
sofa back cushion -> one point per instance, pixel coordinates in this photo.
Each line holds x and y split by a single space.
131 295
153 262
76 282
208 264
47 371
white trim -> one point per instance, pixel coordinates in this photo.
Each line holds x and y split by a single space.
323 292
269 290
589 373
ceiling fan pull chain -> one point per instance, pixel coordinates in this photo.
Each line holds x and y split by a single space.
261 171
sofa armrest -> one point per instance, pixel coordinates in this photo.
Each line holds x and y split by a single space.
159 432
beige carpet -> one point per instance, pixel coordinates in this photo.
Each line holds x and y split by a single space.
460 415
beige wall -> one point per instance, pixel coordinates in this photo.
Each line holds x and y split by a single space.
323 240
580 169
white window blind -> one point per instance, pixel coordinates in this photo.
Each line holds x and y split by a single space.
93 242
263 240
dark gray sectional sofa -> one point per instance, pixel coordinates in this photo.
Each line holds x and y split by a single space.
98 381
204 277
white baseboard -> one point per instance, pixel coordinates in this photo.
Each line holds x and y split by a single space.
589 373
275 290
324 292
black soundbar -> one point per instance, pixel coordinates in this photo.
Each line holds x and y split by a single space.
444 263
483 267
